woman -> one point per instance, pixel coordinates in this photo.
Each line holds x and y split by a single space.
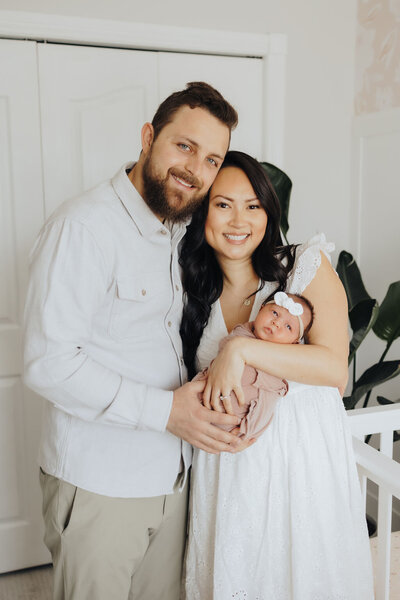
282 520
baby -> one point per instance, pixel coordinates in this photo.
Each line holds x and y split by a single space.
283 320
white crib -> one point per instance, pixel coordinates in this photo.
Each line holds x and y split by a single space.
378 466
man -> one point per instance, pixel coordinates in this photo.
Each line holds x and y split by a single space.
102 346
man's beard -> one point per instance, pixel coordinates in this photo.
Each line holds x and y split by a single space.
156 194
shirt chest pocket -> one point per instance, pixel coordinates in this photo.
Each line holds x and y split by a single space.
139 304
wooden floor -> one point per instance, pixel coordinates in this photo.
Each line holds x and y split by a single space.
394 563
30 584
36 584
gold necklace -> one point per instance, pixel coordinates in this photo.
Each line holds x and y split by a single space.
248 298
235 307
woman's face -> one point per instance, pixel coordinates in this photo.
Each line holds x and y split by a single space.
236 221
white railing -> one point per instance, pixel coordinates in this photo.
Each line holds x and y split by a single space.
378 466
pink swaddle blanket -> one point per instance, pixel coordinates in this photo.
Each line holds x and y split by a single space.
261 391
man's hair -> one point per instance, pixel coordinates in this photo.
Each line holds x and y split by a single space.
197 94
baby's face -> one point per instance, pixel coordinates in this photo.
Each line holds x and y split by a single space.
275 324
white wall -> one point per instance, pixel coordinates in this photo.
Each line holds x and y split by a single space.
377 56
321 37
376 139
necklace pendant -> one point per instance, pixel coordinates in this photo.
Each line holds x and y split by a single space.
247 302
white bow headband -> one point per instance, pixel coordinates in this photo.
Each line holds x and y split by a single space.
295 308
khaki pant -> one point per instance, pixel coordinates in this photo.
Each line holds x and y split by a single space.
113 548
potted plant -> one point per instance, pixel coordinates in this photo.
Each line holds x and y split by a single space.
364 312
365 315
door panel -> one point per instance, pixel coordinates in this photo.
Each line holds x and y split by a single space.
94 102
10 502
21 215
238 79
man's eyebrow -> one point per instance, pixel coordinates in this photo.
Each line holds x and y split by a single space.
196 145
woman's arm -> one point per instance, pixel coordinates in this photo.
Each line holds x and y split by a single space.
323 361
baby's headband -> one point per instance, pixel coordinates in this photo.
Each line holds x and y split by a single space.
295 308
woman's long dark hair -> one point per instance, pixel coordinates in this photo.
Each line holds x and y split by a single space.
202 275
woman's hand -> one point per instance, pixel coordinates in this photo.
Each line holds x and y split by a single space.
225 376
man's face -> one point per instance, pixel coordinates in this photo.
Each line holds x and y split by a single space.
182 162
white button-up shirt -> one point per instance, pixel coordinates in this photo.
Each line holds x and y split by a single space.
102 342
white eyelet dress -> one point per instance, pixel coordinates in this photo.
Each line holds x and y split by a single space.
284 519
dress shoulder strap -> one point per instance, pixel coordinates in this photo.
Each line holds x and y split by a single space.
308 260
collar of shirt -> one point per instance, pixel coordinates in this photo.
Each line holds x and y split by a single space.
143 217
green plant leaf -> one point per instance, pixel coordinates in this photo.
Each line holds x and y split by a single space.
349 402
382 400
350 276
362 318
363 310
283 187
387 325
375 375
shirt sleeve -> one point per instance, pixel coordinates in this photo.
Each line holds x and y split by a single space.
67 285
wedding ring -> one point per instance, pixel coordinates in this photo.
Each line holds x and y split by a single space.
223 397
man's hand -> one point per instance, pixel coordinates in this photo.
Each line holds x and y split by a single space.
191 421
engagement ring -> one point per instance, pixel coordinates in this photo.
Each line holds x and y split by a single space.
223 397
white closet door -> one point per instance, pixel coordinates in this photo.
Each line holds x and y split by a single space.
240 81
21 215
94 102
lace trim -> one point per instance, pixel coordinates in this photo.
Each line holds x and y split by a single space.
308 260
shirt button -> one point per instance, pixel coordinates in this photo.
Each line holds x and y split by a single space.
177 287
169 324
182 361
163 231
144 292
